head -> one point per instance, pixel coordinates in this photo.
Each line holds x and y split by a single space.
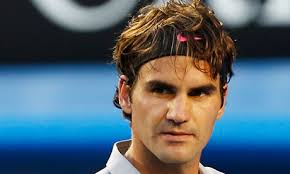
155 32
183 48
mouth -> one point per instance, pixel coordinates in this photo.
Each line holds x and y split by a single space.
176 137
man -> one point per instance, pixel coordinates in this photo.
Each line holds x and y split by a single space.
175 62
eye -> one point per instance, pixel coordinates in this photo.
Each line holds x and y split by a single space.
199 93
162 90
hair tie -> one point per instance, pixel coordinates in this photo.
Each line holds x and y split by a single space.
197 38
182 38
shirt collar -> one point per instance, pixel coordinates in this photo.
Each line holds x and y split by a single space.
118 164
207 170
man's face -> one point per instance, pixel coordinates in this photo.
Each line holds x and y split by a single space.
174 107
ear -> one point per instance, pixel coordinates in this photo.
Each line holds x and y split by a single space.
124 94
222 109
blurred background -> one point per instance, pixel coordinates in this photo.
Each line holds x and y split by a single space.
57 84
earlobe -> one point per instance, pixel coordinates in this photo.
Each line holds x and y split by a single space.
124 94
222 109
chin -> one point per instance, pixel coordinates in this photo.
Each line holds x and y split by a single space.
175 159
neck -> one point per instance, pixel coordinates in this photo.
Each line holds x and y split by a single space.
146 162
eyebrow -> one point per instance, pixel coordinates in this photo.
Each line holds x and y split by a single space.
157 83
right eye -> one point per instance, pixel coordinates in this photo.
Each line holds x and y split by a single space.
161 90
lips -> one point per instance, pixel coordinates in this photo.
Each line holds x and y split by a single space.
176 136
176 133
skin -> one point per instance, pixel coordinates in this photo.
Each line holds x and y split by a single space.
174 107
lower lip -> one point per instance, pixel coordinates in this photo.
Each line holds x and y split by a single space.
176 138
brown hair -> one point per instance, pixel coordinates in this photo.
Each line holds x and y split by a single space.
152 34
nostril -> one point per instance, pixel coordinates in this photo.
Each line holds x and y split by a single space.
176 122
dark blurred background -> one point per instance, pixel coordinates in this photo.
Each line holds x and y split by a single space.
56 81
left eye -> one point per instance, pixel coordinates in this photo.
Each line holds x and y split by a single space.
199 93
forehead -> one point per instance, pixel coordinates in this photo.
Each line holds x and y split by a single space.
176 68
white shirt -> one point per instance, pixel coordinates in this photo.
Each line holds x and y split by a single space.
118 164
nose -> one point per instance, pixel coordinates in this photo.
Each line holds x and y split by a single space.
179 109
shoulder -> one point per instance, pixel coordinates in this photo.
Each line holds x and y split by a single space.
103 171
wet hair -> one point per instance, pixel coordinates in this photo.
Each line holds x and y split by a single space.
175 28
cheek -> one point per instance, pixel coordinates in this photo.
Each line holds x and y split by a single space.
147 113
149 108
206 120
205 130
